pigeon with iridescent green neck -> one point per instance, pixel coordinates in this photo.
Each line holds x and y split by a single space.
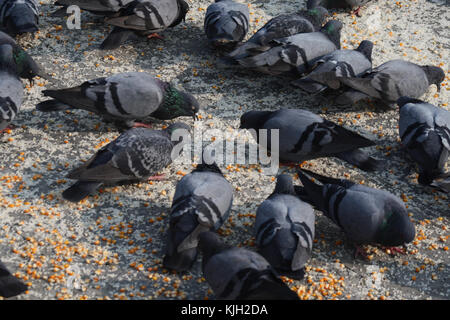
125 97
25 66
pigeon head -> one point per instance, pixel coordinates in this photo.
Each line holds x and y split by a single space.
284 185
435 75
27 68
366 47
210 244
333 30
204 167
184 8
254 119
316 15
177 104
396 228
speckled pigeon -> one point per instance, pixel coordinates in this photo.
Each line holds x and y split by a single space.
124 97
144 17
295 54
238 273
11 87
226 23
282 26
425 133
340 63
390 81
100 7
202 202
136 155
305 135
366 215
10 286
284 229
19 16
26 67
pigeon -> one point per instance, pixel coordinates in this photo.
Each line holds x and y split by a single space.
366 215
202 202
226 23
305 135
99 7
295 54
19 16
11 87
338 4
124 97
238 273
25 66
284 229
282 26
134 156
425 134
390 81
340 63
10 286
144 17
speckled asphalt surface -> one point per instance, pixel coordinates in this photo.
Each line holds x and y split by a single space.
110 246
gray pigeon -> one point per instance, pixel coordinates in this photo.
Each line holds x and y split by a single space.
144 17
282 26
305 135
226 23
366 215
341 63
284 229
124 97
11 87
19 16
240 274
26 67
10 286
295 54
425 133
134 156
100 7
390 81
202 202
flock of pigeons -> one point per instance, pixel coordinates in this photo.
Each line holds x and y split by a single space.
302 45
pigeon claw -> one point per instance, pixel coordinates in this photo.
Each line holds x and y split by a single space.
158 177
155 35
142 125
7 129
357 12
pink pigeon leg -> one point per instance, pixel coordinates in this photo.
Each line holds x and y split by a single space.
155 35
158 177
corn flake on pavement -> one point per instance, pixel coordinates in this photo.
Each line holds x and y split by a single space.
110 246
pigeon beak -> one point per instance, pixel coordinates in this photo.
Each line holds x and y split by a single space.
438 86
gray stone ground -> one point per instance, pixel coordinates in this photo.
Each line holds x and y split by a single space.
111 245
